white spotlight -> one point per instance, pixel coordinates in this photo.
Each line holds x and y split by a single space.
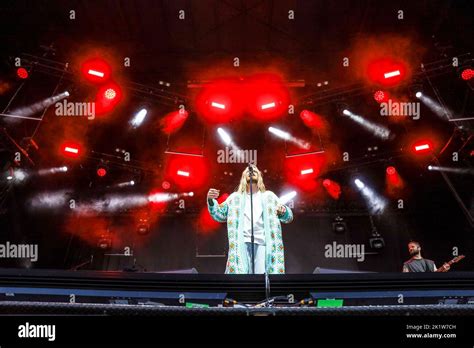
9 177
138 118
418 94
359 183
346 112
132 183
19 175
224 136
279 133
430 167
66 94
287 197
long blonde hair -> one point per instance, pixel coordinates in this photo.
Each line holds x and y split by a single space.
242 188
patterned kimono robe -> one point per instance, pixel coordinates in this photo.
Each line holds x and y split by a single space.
232 211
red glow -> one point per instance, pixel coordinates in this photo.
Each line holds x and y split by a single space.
173 121
101 172
467 74
96 70
332 188
296 166
381 96
393 181
108 96
71 149
187 172
220 101
205 223
386 71
22 73
312 120
267 97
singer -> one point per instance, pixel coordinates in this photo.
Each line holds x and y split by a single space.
267 214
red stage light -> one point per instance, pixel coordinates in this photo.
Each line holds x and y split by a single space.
467 74
386 71
393 181
302 171
187 172
101 171
173 121
380 96
267 96
22 73
218 106
108 96
332 188
220 101
96 70
71 149
422 146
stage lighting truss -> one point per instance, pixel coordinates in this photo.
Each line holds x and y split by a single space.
156 94
336 94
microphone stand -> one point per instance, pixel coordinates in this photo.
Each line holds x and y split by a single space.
251 219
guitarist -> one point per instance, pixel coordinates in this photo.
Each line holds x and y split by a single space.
418 263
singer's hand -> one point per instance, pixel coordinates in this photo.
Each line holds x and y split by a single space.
281 210
212 194
446 267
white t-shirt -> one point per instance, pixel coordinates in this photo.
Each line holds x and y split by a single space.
258 230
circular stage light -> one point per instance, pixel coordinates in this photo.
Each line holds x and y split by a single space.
22 73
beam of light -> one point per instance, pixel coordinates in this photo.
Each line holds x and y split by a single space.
377 130
287 197
138 119
288 137
391 74
440 111
95 73
19 175
162 197
125 184
49 200
182 173
279 133
451 170
359 183
375 202
53 170
268 106
307 171
224 136
38 106
332 188
218 105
